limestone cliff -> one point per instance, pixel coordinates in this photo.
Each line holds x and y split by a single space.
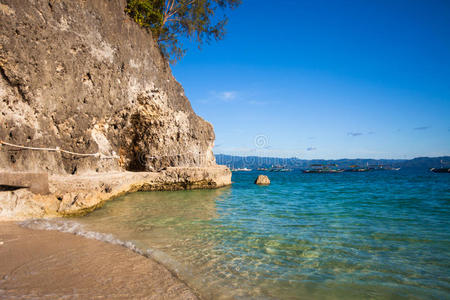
82 76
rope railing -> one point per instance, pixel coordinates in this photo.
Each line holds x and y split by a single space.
97 154
57 149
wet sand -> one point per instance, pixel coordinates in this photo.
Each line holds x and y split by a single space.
53 265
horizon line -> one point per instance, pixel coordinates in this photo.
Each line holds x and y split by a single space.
294 157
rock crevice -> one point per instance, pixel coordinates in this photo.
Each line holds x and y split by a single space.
82 76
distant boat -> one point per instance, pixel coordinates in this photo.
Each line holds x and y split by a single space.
355 168
262 169
280 169
382 168
323 171
440 170
241 170
391 168
319 168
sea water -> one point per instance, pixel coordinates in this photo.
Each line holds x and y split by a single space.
373 235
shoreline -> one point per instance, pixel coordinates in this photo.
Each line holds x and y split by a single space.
53 264
44 263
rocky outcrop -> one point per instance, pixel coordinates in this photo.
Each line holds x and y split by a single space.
262 180
77 195
82 77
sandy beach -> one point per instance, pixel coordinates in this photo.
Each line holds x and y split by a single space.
55 265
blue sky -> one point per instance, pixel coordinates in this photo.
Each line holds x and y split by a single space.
327 79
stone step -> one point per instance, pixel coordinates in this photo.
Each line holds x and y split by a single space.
36 182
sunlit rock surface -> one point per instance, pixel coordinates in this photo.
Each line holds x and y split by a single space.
262 180
81 76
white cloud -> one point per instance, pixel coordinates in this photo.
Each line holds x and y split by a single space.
354 133
227 95
422 128
258 102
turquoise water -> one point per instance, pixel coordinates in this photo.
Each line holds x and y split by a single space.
376 235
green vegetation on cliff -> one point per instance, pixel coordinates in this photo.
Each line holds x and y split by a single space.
172 20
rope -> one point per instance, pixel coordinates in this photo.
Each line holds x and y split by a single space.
57 149
98 154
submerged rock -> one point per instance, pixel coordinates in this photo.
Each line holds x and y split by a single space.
262 180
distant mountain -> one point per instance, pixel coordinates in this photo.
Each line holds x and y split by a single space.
427 162
254 162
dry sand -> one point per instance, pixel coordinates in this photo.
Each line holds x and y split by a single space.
54 265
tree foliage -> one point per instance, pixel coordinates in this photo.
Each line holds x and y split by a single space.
172 20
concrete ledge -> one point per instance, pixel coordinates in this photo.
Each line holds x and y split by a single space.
36 182
80 194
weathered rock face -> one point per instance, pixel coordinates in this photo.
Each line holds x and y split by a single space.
82 76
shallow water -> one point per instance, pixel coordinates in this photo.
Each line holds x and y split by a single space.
378 235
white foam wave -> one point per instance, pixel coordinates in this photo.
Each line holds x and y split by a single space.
189 276
76 228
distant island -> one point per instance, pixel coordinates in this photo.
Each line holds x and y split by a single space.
255 162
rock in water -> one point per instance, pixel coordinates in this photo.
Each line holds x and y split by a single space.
262 180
